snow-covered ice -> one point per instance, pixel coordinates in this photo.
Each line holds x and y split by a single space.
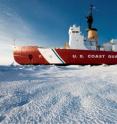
58 95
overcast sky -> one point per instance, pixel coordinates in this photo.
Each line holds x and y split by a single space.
46 22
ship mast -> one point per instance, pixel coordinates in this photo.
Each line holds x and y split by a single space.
90 17
92 32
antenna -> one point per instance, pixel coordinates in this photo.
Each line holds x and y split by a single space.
14 43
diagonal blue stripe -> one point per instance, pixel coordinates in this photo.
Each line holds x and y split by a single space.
58 56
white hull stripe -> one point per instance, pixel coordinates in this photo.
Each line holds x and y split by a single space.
51 56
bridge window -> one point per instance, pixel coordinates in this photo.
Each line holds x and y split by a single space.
74 31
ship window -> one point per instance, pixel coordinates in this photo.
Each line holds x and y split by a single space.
74 31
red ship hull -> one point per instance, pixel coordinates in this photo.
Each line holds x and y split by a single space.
33 55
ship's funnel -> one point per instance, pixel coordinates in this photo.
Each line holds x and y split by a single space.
92 35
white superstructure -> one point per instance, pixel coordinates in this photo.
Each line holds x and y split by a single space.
114 44
76 40
110 46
